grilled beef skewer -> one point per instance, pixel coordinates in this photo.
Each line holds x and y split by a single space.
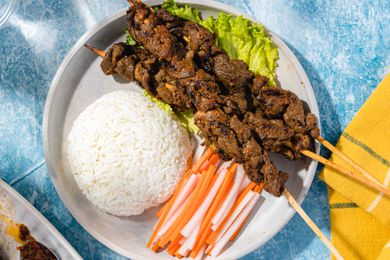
236 112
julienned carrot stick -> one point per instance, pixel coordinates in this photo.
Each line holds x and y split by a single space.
169 221
229 201
238 230
218 246
206 155
205 229
190 242
167 236
166 211
200 242
201 211
181 183
172 250
155 247
259 189
192 205
240 198
214 159
184 193
196 202
236 212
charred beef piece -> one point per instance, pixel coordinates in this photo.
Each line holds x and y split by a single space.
130 62
169 20
242 131
203 90
311 125
184 68
234 74
214 125
235 103
199 38
268 131
172 92
274 180
112 57
149 30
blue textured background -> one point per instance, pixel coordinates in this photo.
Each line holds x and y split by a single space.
344 47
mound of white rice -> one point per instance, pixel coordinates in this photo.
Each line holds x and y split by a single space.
127 154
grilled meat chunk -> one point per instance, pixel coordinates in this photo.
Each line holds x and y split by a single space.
199 38
214 125
203 90
234 74
149 30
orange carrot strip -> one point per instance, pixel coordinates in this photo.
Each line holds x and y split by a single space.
259 187
197 201
171 231
206 155
206 224
202 240
214 159
239 229
179 256
155 247
213 237
165 212
172 249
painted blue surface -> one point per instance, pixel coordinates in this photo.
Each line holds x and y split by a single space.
344 46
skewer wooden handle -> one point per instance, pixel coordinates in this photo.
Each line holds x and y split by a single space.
348 160
359 178
311 224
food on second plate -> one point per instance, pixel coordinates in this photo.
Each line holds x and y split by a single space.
239 113
126 153
12 234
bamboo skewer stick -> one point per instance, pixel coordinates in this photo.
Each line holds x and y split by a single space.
359 178
291 200
348 160
99 52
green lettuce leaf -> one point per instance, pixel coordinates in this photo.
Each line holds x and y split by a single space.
184 12
129 39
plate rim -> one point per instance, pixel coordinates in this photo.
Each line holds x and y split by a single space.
23 201
93 30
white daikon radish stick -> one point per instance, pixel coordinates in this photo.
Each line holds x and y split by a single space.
219 245
236 212
164 228
190 242
201 211
198 153
181 241
184 193
244 183
229 201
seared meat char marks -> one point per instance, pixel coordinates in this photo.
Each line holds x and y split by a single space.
237 113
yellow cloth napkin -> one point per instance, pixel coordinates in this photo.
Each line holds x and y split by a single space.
360 217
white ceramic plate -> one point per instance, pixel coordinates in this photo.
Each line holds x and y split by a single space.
79 81
40 228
